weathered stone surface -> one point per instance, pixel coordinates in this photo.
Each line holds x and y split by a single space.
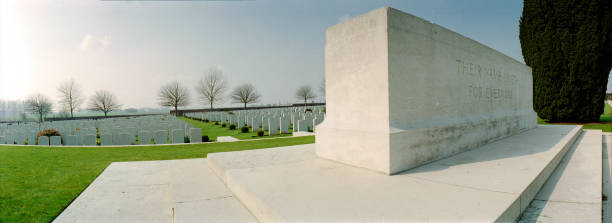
402 92
492 183
573 192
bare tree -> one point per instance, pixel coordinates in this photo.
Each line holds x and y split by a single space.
103 101
212 87
38 104
245 94
305 92
173 94
70 96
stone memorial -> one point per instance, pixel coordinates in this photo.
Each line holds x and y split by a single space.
55 140
43 140
461 94
195 135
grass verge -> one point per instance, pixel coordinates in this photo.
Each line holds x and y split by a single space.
213 131
37 183
605 121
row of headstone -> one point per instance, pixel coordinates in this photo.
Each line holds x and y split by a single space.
112 131
275 121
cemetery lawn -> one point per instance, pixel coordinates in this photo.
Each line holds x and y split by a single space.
605 121
37 183
213 131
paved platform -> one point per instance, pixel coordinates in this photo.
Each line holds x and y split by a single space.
297 134
227 139
492 183
156 191
573 192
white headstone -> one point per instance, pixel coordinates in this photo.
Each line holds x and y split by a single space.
144 138
55 141
178 136
285 122
161 137
70 140
90 140
256 123
106 139
195 135
43 140
273 125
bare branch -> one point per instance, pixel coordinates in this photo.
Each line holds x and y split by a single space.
245 94
38 104
211 88
173 95
70 96
305 92
103 101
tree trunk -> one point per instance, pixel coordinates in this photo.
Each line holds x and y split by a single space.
71 116
245 105
176 111
104 114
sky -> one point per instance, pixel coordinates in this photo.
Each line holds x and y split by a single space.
132 48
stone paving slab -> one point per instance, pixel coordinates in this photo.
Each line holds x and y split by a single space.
156 191
606 175
573 192
227 139
124 192
490 183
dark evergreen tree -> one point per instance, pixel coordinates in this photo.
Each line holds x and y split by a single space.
568 45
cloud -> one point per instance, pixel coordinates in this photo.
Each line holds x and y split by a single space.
344 18
91 42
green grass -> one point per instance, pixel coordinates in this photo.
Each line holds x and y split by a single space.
605 121
37 183
213 131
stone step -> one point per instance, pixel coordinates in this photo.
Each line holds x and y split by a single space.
156 191
607 173
494 182
573 192
198 195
